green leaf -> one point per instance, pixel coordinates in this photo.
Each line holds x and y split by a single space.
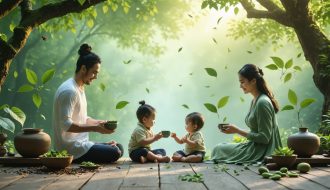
185 106
180 49
224 119
242 99
306 102
105 8
31 76
127 62
287 107
292 97
25 88
90 23
12 27
15 74
278 61
7 124
81 2
297 68
47 75
289 64
121 104
147 89
102 87
287 77
299 55
223 101
211 107
211 72
3 37
204 4
272 67
236 10
16 114
36 100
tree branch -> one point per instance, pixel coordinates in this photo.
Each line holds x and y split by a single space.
26 7
54 10
278 15
269 5
8 5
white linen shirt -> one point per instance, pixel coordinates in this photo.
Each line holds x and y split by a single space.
70 106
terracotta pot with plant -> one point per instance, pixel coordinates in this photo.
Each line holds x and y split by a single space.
284 157
303 143
6 124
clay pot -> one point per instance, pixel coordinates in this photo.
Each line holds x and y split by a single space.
284 161
3 138
31 143
304 143
3 151
56 163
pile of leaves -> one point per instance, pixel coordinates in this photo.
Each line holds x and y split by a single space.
197 178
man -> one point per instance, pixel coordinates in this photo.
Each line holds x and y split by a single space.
70 121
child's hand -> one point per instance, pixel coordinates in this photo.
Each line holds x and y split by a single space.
158 136
184 139
173 135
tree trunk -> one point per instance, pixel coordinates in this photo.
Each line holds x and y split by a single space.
316 47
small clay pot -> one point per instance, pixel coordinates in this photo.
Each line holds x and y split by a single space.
56 163
284 161
304 143
3 151
3 138
31 143
111 125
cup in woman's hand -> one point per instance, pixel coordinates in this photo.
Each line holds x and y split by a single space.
166 133
223 126
111 125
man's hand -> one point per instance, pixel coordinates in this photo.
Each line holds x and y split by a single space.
101 129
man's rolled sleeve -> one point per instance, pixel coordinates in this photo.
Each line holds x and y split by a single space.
67 101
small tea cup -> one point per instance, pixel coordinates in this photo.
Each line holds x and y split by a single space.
222 126
111 125
166 133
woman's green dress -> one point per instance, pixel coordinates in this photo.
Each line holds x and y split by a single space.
263 138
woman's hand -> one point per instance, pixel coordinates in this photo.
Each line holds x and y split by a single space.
230 129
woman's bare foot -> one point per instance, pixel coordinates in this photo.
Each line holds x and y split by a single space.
164 159
143 160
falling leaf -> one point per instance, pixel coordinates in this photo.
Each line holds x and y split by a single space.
219 20
44 38
179 49
102 87
190 15
180 85
190 73
228 50
242 99
214 28
185 106
147 90
15 74
249 52
207 86
211 72
127 62
299 55
42 116
226 67
214 40
121 104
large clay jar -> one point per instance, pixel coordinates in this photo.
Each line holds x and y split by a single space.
304 143
31 143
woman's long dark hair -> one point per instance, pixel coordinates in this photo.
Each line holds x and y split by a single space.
250 72
86 57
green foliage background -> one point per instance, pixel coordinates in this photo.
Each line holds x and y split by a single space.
160 55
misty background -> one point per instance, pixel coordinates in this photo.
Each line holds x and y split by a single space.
168 80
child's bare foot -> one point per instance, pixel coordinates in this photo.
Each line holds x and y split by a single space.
143 160
192 159
164 159
176 158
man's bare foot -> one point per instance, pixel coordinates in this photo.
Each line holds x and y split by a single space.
164 159
143 160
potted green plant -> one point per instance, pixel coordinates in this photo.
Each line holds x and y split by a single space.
304 143
56 159
284 157
325 144
6 124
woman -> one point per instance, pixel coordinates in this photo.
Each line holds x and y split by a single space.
264 136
